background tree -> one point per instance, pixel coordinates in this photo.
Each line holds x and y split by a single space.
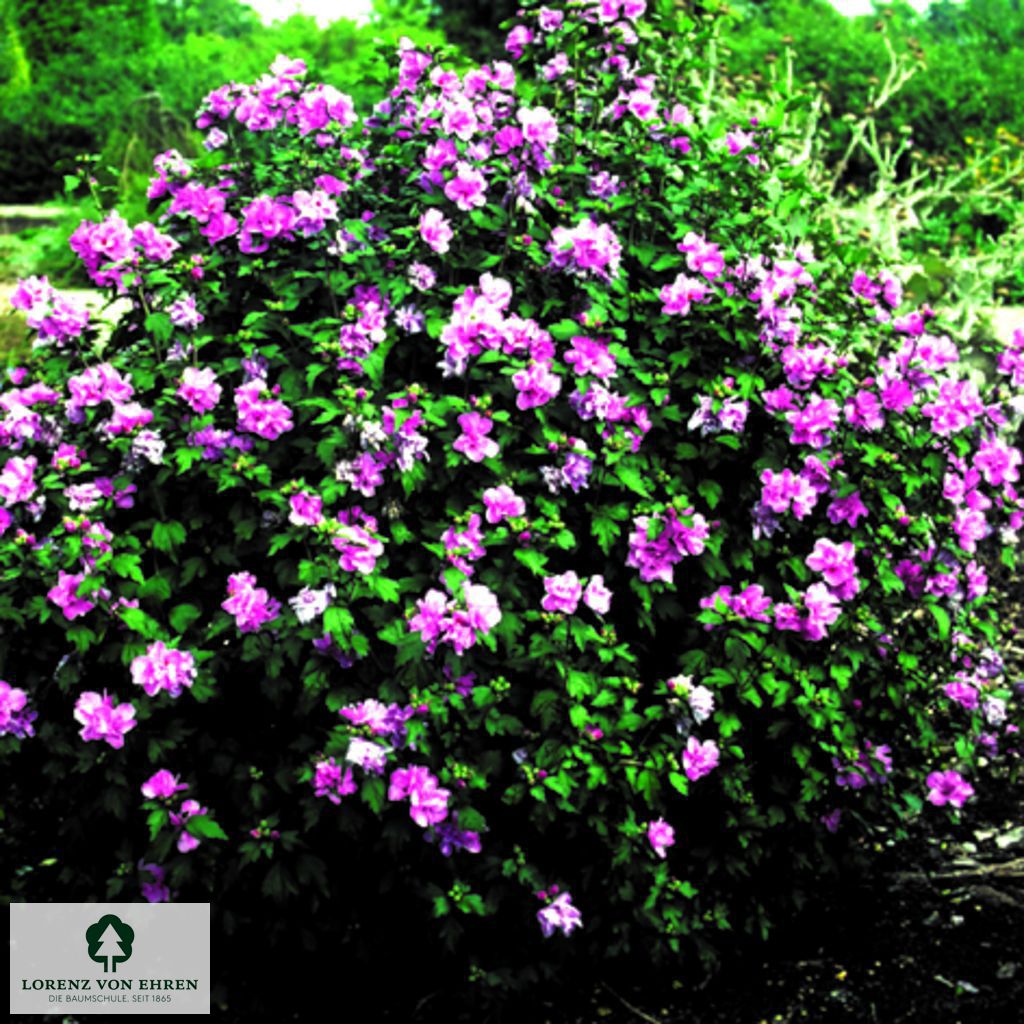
121 77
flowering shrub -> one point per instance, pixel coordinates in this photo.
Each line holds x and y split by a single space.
494 502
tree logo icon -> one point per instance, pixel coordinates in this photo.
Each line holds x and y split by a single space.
110 942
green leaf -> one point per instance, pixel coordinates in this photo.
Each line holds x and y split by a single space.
278 542
606 531
159 325
534 560
473 820
579 684
167 535
156 821
138 621
372 792
631 477
385 588
183 616
81 637
728 723
644 253
278 883
564 330
204 827
545 706
472 903
561 783
338 621
736 650
127 567
749 693
679 782
156 586
942 620
710 492
410 649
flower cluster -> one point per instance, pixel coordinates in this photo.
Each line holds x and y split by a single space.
559 914
333 781
56 318
187 841
441 619
699 699
428 802
163 668
661 835
102 719
586 249
871 768
15 716
354 538
658 544
699 759
251 606
266 417
379 719
948 787
199 388
162 785
563 594
450 838
156 889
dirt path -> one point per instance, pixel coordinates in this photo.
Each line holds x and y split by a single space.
17 218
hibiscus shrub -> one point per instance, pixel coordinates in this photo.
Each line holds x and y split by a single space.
495 507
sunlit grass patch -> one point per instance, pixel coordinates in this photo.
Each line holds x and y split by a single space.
15 343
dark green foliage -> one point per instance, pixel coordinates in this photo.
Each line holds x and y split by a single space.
122 78
476 24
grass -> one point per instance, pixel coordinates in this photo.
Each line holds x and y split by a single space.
43 249
15 344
